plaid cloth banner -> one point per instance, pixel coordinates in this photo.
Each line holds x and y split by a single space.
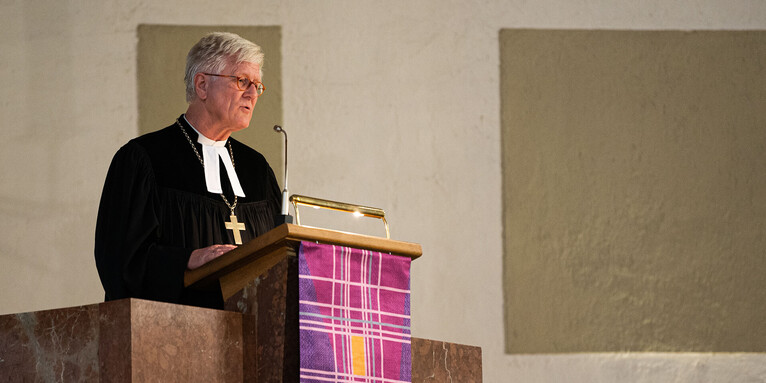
354 315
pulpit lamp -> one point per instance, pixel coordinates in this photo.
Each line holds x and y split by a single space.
356 210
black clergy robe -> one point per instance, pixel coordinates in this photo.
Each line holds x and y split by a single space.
155 210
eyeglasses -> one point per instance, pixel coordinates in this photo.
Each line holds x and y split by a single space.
243 83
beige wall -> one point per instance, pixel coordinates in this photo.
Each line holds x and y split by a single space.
393 104
634 190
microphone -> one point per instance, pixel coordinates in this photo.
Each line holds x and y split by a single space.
285 217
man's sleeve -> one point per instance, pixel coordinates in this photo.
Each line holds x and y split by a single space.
130 262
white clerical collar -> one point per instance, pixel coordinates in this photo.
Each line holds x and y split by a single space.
211 152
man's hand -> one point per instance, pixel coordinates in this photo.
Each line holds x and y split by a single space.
204 255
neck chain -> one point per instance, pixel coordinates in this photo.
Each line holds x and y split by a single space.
231 155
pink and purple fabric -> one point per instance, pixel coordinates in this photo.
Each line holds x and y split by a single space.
354 315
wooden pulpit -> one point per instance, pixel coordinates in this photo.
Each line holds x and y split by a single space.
254 340
260 280
236 269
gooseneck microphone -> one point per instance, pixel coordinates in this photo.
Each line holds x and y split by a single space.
286 218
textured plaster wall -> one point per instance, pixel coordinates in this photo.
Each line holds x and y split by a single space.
634 190
395 104
161 62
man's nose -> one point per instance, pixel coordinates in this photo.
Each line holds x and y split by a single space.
251 90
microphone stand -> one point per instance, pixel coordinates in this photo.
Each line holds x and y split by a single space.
285 217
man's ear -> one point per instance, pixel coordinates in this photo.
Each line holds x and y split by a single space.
200 86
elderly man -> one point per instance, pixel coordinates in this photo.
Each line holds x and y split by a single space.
179 197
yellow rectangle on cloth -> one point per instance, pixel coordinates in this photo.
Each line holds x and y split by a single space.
357 350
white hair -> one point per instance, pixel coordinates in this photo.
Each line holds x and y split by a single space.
214 51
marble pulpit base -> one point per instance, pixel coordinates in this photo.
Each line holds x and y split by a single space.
143 341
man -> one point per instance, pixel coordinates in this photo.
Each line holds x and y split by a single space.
176 199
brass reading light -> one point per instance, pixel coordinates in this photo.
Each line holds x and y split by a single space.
357 210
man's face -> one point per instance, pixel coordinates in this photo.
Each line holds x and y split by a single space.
228 106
